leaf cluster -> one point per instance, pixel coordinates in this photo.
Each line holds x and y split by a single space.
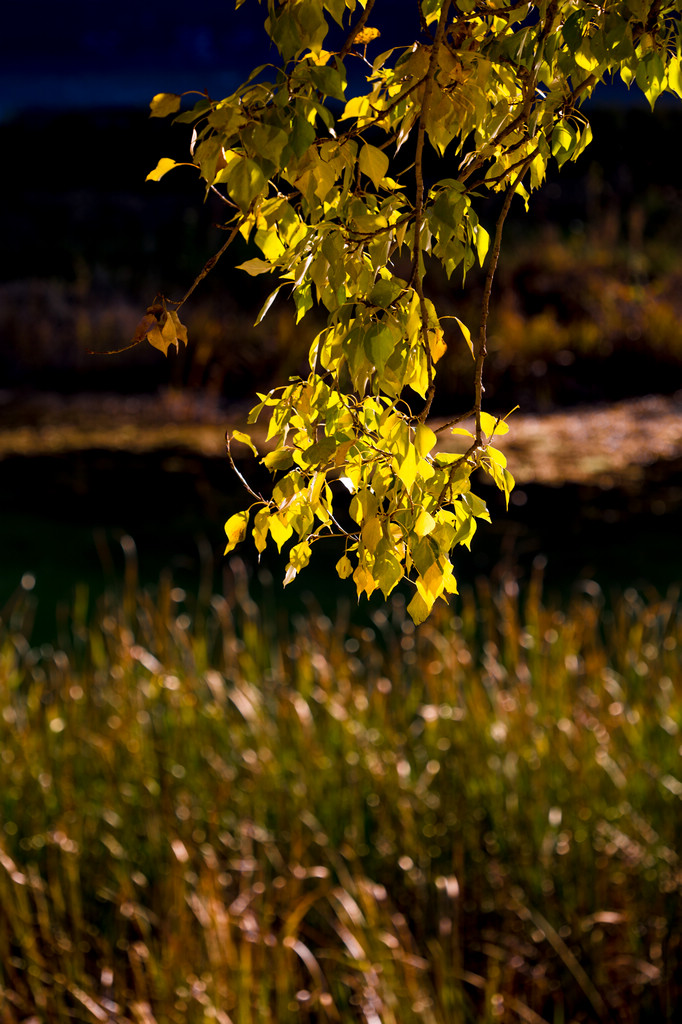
327 180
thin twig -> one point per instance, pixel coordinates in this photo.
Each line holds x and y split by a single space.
481 346
382 114
416 278
210 264
455 421
258 497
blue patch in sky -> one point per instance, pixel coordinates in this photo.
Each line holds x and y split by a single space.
83 53
66 54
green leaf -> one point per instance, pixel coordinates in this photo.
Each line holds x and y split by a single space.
371 534
573 30
280 459
675 76
388 572
385 292
245 181
650 77
337 9
196 112
165 103
302 136
374 163
379 342
319 453
265 142
329 81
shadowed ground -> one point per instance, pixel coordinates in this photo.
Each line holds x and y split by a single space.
605 445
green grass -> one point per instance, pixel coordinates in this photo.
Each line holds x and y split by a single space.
211 813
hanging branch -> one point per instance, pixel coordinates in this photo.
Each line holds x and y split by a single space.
417 276
482 341
497 83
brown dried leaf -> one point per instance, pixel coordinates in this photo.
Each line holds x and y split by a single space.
143 328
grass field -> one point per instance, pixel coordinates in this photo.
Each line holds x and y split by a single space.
209 812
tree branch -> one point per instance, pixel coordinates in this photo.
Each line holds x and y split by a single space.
482 342
358 27
209 265
416 278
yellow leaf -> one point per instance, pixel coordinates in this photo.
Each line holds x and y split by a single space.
356 107
418 609
497 456
437 344
237 435
373 162
388 572
164 332
255 267
675 76
424 439
174 330
344 567
425 523
342 452
467 336
449 581
430 585
235 529
164 103
493 425
407 469
372 534
299 556
364 581
280 458
155 338
260 529
367 35
280 530
164 165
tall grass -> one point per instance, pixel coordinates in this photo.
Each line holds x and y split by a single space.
212 813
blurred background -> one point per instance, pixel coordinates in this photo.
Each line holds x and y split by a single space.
587 314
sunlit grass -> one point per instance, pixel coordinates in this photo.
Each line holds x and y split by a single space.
208 812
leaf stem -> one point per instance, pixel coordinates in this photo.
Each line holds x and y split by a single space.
259 497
